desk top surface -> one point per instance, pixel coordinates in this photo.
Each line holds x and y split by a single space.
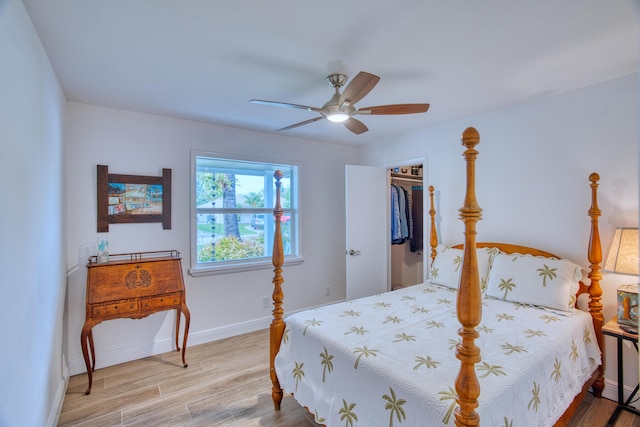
612 328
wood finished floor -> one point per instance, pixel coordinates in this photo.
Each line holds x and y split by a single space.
226 384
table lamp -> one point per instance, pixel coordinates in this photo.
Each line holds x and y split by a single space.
623 259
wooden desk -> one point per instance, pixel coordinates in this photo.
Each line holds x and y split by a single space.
612 329
133 286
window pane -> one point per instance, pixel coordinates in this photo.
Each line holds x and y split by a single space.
220 190
286 233
234 203
285 193
214 245
250 191
223 237
213 179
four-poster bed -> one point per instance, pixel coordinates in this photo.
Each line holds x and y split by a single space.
392 356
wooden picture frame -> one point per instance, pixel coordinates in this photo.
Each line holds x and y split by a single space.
133 198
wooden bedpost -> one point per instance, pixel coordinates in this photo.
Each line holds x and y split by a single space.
277 324
595 291
469 301
433 234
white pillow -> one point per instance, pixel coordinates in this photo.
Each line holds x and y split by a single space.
528 279
445 269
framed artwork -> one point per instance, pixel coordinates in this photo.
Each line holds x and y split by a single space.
133 198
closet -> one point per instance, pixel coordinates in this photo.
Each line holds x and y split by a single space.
407 225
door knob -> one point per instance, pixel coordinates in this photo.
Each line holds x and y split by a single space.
353 253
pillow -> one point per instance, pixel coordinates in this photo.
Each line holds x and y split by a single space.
445 269
529 279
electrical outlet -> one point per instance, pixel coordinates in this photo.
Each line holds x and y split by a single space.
266 302
327 291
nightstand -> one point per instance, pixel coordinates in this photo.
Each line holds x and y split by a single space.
612 329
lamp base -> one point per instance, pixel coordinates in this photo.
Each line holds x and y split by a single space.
628 307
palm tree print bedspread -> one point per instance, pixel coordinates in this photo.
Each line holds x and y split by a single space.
389 360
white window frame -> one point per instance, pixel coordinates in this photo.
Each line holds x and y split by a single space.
221 267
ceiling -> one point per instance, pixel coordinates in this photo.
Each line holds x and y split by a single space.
205 59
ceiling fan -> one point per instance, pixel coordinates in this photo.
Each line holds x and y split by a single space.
341 107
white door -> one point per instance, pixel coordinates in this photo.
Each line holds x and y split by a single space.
367 225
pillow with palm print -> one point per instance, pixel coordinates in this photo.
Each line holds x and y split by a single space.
529 279
445 269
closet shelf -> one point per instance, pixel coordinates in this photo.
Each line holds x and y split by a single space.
409 178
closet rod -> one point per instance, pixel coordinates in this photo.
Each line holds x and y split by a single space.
403 178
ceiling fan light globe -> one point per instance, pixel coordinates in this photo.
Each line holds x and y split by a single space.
337 117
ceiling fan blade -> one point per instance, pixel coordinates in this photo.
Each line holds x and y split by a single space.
284 104
359 87
394 109
306 122
355 126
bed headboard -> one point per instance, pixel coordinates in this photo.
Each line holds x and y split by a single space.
508 248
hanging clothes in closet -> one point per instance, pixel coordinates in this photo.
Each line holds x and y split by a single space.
417 215
401 215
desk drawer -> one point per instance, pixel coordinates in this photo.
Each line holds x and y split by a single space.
161 303
108 310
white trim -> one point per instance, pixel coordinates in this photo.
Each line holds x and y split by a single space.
239 267
58 401
166 345
611 392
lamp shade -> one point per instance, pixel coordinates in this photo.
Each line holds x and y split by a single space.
623 255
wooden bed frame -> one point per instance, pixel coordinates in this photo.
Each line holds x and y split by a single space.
469 299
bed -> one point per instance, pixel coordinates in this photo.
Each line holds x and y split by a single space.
421 356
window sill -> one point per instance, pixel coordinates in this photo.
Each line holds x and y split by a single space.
241 267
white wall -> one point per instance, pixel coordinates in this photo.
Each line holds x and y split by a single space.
220 305
532 176
31 226
533 168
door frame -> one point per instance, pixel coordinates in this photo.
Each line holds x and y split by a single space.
426 232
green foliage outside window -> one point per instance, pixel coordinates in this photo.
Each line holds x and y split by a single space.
230 248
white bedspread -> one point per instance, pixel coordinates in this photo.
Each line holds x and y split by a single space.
390 360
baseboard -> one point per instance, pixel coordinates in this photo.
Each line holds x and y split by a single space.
115 357
58 400
611 392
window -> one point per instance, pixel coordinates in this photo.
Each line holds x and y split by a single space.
232 214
